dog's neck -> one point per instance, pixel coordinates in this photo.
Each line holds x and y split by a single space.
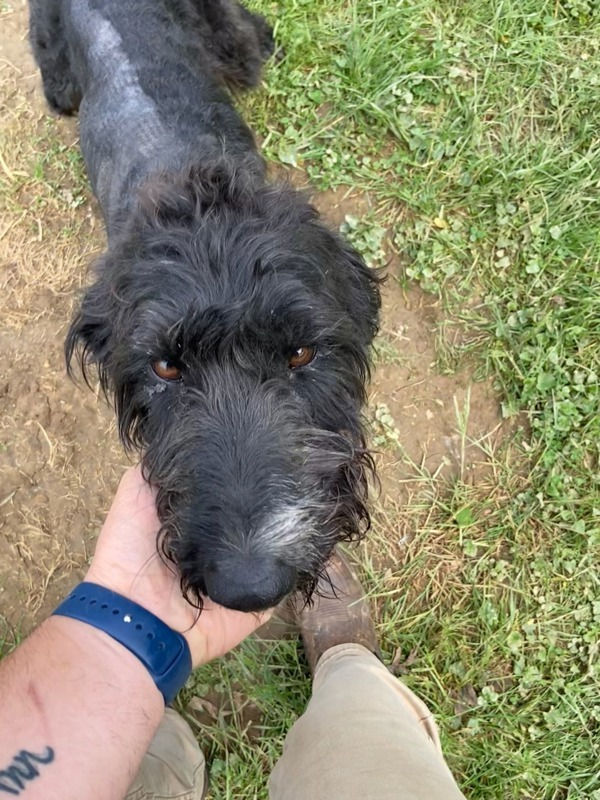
127 128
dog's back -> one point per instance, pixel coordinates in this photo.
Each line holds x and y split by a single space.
150 94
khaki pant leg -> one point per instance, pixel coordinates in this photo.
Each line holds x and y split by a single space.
364 735
174 765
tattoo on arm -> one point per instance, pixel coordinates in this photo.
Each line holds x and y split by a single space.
22 769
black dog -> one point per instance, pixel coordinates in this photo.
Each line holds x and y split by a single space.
231 326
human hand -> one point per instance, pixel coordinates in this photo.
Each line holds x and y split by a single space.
128 562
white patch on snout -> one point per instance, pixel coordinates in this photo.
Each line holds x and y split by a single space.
285 529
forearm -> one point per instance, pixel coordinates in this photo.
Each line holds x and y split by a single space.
77 712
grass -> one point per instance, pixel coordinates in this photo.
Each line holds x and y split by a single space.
49 510
9 638
499 627
255 696
472 129
45 239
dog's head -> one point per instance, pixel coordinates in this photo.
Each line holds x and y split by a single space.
234 330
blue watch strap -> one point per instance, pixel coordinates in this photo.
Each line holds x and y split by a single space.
163 651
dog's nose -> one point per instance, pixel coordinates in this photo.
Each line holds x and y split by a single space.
249 583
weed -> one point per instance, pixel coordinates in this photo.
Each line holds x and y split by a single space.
385 433
367 237
385 352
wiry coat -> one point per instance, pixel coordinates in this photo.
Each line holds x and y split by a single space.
213 281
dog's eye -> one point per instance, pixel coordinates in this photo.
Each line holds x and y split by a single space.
166 370
301 357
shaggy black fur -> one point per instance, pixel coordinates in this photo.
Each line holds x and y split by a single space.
231 326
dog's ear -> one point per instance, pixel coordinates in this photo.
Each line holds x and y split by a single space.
90 331
93 341
351 282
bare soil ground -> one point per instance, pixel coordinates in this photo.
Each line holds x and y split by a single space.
59 455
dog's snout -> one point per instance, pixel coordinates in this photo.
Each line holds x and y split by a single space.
249 583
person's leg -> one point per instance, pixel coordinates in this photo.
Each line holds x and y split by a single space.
174 765
364 734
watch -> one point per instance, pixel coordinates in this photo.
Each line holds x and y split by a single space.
163 651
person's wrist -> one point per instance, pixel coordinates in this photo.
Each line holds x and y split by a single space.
103 653
165 653
165 602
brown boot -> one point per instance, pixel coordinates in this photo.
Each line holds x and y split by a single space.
339 613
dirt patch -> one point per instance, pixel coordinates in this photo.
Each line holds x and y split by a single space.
59 455
422 420
440 417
